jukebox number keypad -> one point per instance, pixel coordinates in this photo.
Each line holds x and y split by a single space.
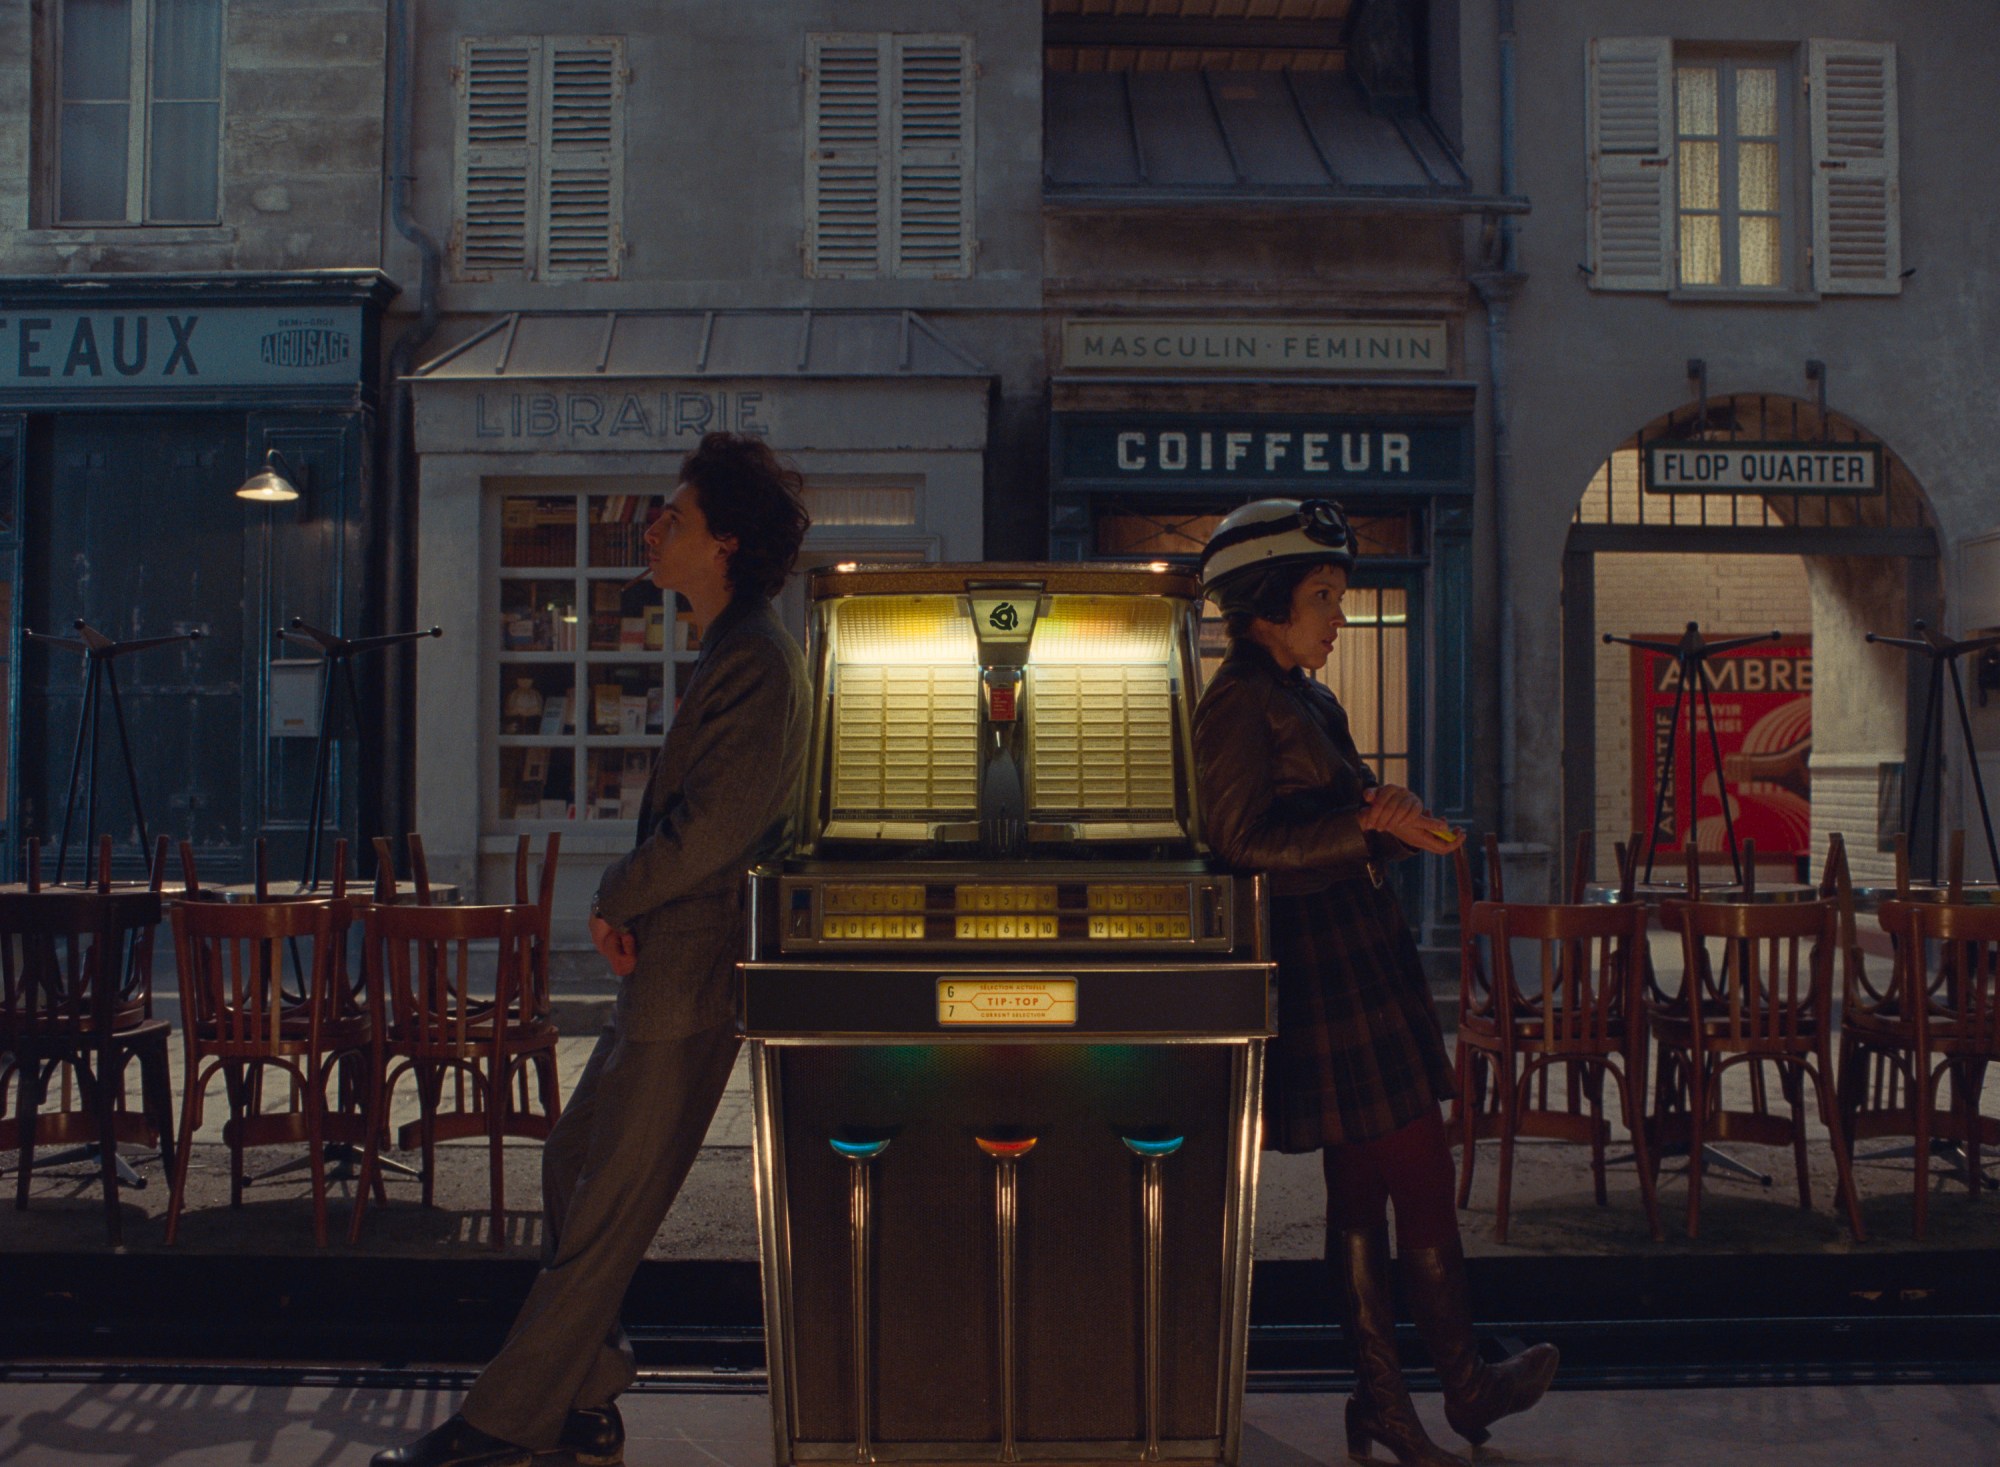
998 912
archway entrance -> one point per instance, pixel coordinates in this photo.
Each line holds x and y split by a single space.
1677 526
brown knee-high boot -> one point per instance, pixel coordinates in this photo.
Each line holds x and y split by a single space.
1380 1409
1475 1394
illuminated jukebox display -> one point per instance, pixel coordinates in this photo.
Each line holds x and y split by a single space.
1007 1032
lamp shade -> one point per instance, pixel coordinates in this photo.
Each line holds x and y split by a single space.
267 485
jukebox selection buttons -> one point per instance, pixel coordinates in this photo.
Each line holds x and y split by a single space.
870 929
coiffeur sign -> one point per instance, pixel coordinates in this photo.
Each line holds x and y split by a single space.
1762 696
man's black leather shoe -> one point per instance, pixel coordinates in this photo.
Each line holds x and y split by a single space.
457 1443
594 1436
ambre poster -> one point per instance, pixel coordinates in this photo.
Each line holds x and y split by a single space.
1762 697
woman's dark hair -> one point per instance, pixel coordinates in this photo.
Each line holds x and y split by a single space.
1264 593
749 494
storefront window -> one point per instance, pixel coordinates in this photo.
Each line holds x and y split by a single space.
584 656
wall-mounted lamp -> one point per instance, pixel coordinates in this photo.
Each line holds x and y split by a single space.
267 485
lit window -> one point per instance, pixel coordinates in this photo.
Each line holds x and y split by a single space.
1730 169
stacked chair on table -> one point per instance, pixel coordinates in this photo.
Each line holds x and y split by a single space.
1582 1017
76 1007
1938 1019
1767 1001
266 994
479 1017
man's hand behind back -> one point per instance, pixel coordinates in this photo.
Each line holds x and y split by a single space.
620 948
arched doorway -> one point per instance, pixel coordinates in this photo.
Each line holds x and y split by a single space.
1666 533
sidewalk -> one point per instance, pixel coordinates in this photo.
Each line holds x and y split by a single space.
87 1425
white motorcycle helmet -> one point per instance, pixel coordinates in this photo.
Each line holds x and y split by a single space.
1272 532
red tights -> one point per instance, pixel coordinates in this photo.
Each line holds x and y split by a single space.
1410 1167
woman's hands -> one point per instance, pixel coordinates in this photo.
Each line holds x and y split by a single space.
1394 811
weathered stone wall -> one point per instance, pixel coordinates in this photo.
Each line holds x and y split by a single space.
303 104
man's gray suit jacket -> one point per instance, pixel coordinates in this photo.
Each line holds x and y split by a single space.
723 796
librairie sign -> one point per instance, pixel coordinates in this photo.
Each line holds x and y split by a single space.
198 346
1764 468
1254 346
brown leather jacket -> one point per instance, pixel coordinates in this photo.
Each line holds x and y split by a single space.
1280 779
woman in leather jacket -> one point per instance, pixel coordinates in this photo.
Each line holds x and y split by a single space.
1358 1068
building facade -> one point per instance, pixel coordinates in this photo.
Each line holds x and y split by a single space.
815 221
1744 387
190 243
1261 251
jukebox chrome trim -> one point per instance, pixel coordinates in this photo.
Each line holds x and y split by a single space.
1239 1247
774 1240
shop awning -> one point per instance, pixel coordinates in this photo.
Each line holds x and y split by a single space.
548 345
1165 137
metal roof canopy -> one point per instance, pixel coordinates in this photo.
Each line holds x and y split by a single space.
1283 135
721 344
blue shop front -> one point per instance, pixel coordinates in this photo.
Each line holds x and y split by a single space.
131 410
1146 471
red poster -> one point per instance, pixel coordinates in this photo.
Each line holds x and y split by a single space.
1762 695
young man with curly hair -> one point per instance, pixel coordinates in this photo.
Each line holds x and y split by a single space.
668 918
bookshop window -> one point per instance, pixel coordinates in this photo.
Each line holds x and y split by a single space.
586 656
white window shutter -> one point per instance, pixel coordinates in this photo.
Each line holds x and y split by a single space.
931 232
847 162
499 126
1856 194
583 158
1631 122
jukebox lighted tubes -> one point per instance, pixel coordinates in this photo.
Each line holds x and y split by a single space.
1007 1156
860 1155
1152 1213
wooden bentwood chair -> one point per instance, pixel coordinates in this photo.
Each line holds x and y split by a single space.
444 1020
1583 1017
1768 1001
1939 1018
68 1003
239 1021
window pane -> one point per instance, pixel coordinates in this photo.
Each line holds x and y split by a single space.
618 782
182 182
538 616
97 51
1757 177
1694 97
618 528
627 698
537 784
1701 184
187 50
538 530
537 698
1757 250
1701 249
626 618
93 162
1757 103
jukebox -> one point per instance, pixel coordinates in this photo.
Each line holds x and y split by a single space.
1007 1032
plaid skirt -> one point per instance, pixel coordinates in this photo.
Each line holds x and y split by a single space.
1358 1052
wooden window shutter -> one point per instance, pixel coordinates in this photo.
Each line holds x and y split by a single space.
846 161
499 127
1631 125
1856 194
583 158
932 233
